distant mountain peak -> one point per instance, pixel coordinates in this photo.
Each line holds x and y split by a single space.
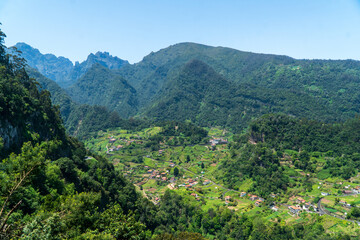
61 69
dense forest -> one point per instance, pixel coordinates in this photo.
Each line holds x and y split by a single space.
258 152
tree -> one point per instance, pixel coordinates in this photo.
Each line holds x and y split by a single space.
202 165
355 212
176 172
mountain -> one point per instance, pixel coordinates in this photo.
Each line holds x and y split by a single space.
61 69
81 119
199 94
149 75
313 79
325 90
102 58
56 68
100 86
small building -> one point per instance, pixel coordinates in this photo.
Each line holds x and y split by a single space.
164 178
112 140
253 197
307 206
348 192
206 182
325 194
294 210
227 198
300 200
242 194
275 208
342 202
258 203
194 195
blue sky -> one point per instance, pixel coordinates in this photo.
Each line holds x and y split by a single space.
325 29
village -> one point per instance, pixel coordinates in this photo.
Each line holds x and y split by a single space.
190 170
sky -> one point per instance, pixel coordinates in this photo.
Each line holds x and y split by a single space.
304 29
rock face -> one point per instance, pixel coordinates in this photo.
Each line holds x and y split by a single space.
61 69
102 58
56 68
10 135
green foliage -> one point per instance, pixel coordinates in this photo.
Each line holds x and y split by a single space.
99 82
82 119
176 172
183 133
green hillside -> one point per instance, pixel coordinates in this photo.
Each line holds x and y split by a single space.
81 119
297 87
51 187
99 86
199 94
254 84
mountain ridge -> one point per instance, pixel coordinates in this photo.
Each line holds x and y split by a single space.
61 69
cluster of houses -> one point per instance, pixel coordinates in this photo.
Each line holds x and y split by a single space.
258 200
349 190
190 183
216 141
345 204
128 142
115 148
301 204
156 174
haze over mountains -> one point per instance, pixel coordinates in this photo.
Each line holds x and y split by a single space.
207 85
61 69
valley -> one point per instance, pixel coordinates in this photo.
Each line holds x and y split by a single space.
192 142
192 170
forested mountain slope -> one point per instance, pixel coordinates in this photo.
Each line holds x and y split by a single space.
100 86
333 83
255 84
199 94
81 119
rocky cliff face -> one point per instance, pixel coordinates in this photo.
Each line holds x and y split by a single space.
61 69
10 134
56 68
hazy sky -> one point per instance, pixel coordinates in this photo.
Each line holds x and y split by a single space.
325 29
